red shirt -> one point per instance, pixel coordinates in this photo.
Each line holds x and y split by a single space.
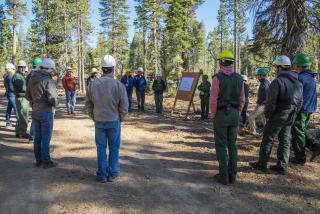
69 83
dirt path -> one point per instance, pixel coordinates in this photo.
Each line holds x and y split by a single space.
167 166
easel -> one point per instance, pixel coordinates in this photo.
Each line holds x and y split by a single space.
186 90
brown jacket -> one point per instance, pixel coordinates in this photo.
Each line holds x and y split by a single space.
107 100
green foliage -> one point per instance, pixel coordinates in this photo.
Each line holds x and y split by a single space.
114 21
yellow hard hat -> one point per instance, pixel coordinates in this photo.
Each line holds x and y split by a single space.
226 56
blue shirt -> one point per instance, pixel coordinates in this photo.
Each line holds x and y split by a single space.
128 82
307 78
140 83
9 86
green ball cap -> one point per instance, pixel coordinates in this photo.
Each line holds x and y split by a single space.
205 76
302 60
262 71
36 61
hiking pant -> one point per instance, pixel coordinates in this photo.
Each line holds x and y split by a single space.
23 112
302 138
205 101
225 132
42 127
257 112
11 105
129 94
107 134
141 99
158 98
71 101
244 117
276 127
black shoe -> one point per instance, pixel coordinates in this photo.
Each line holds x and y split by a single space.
221 179
315 155
232 180
38 163
278 169
48 164
113 178
258 166
101 180
296 161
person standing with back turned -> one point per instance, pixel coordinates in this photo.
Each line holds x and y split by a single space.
107 103
42 94
227 101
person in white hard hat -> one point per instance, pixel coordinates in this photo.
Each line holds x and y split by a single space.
284 101
140 83
20 86
93 75
42 94
70 86
10 70
244 116
107 105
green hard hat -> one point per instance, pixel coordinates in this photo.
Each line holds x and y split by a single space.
302 60
205 76
36 61
262 71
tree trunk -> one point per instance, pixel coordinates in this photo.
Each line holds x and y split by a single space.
295 34
235 36
144 34
14 37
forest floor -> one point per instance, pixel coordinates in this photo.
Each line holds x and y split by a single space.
167 166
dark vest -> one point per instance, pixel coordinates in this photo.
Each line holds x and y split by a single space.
230 90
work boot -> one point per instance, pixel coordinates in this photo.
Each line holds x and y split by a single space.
278 169
38 163
258 166
296 161
101 180
232 179
113 178
221 179
315 155
48 164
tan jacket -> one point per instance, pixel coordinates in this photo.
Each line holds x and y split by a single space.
107 100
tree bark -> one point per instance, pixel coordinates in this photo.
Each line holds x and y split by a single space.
295 35
14 37
235 36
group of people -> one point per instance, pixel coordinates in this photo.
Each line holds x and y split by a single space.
139 82
286 105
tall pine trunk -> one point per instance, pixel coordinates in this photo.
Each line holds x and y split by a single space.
296 29
235 36
14 37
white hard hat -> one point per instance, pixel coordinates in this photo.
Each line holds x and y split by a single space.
47 63
108 61
94 70
68 68
244 77
22 64
10 66
282 60
140 69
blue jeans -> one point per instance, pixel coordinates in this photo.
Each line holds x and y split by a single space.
107 134
129 94
11 105
70 100
43 126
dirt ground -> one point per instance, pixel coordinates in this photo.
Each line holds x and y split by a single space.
167 166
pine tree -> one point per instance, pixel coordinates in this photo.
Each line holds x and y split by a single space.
136 51
15 10
223 27
284 24
114 21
